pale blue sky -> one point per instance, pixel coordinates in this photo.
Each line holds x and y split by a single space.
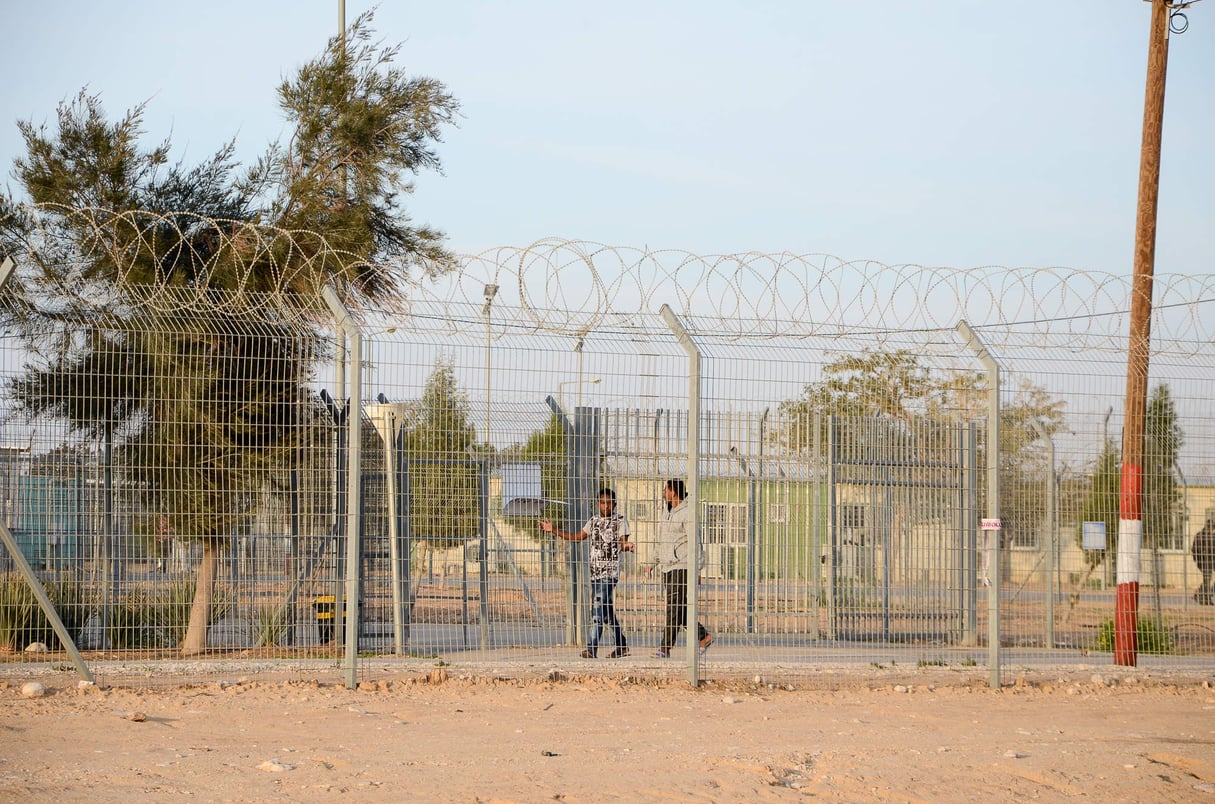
938 132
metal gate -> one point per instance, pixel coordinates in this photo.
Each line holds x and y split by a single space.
901 531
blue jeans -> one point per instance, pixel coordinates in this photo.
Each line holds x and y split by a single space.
603 610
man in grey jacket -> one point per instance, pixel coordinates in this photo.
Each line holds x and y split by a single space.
674 544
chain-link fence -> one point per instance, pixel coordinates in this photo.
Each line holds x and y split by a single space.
240 480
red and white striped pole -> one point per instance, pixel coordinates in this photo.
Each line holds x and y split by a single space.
1130 503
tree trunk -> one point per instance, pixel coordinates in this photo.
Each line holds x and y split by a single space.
1078 591
200 609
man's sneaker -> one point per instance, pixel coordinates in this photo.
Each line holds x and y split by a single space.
587 654
662 653
705 642
618 653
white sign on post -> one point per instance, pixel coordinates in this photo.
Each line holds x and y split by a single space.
989 524
521 492
1092 535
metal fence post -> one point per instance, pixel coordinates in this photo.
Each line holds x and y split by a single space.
993 497
574 617
968 507
693 485
354 564
833 548
1052 533
483 552
582 504
388 418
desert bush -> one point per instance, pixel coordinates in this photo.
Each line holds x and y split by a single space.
159 618
135 621
18 612
271 626
1154 637
22 620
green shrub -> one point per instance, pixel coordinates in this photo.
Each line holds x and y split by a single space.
1154 638
71 601
271 626
22 620
159 618
135 621
19 612
140 619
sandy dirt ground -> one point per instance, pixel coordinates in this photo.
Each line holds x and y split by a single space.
924 735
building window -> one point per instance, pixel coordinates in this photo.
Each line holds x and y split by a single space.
852 516
640 510
1020 538
725 523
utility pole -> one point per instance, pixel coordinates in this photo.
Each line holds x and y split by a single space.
1130 504
342 40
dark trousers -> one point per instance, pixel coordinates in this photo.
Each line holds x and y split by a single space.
1205 592
675 582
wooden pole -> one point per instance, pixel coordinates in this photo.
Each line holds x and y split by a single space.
1130 526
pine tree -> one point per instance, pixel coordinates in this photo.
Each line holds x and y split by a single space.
120 251
1162 443
443 478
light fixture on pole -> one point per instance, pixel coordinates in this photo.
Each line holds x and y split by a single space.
486 309
579 383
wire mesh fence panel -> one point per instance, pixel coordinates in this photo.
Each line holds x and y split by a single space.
192 478
1062 482
172 489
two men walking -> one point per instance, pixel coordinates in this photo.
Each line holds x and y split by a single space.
608 532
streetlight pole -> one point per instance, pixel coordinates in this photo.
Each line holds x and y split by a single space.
342 40
486 310
483 469
578 351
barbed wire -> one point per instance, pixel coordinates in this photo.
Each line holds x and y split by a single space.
175 261
572 287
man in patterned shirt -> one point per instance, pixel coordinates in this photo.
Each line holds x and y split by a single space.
609 535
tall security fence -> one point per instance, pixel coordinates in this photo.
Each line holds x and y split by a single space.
289 477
